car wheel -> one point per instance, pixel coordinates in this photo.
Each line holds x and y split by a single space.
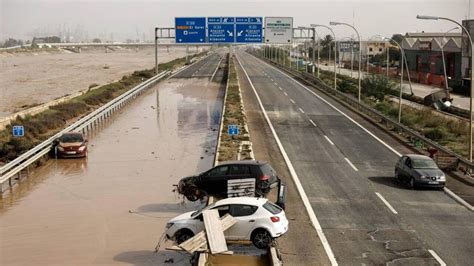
183 235
261 238
411 183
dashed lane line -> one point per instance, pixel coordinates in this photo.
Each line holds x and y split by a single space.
386 203
351 164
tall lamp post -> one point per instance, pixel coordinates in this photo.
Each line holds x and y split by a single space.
472 73
360 46
444 62
402 52
335 53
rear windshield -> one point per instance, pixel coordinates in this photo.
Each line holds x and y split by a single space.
70 138
274 209
267 170
423 163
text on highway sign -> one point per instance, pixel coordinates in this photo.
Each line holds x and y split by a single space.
190 30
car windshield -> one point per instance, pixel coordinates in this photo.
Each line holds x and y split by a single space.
196 213
423 163
70 138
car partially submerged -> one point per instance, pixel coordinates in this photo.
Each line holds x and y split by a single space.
71 144
258 220
230 179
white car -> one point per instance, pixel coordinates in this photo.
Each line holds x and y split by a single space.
258 220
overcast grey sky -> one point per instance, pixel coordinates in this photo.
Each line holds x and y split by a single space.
122 19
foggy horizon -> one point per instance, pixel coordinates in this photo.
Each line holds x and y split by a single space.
119 20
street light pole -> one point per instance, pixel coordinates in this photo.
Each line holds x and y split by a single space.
401 79
472 73
444 63
335 45
156 51
319 41
360 47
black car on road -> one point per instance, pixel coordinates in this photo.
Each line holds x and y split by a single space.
224 179
419 170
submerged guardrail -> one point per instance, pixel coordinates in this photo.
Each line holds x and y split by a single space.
13 169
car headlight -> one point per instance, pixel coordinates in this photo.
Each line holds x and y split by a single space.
60 148
82 148
423 177
168 225
442 177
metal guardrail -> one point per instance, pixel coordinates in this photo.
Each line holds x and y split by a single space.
461 163
24 160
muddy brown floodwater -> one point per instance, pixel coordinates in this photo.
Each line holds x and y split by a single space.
76 212
27 79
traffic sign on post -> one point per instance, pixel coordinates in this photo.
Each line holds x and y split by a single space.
190 30
279 30
233 130
248 30
221 29
18 131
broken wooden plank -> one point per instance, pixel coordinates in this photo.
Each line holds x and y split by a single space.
199 241
214 231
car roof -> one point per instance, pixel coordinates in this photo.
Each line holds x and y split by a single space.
242 200
417 156
252 162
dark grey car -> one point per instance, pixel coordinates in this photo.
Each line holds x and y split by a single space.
419 170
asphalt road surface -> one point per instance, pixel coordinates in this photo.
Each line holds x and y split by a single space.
203 68
76 212
347 175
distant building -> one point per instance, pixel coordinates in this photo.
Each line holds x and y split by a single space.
370 48
425 63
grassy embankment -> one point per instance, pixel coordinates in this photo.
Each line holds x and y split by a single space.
41 126
233 115
450 132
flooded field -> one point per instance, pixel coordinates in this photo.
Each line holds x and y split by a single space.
28 79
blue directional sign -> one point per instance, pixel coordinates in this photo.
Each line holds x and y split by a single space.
221 29
248 30
233 130
190 30
18 131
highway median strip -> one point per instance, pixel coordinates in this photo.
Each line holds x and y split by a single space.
238 146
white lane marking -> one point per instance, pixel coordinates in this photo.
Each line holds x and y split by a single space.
286 94
299 187
312 122
452 195
332 143
341 112
301 110
276 84
437 258
280 88
351 164
458 199
291 100
386 203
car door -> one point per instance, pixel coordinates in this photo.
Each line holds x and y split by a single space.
407 169
214 181
237 172
244 214
399 166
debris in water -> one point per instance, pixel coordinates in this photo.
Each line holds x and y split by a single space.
170 260
135 128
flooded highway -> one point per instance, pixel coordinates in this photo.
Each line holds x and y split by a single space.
112 207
